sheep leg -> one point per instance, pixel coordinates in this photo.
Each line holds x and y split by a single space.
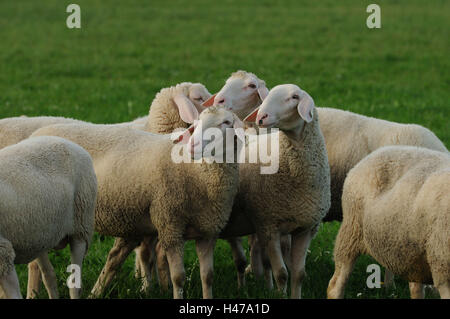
205 253
137 263
119 252
259 261
239 258
163 268
10 285
346 251
340 277
286 244
276 261
300 245
388 279
34 280
145 261
417 290
267 268
444 290
177 272
48 275
256 265
78 249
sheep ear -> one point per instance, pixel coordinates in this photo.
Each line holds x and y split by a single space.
186 109
184 136
263 92
252 116
305 107
238 126
209 102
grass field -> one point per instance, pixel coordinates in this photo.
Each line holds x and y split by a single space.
109 71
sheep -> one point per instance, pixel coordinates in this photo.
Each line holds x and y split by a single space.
242 93
16 129
12 131
396 208
173 108
296 198
359 136
142 193
48 189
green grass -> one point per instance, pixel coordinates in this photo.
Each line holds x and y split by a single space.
109 71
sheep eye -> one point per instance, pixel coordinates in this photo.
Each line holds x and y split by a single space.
227 122
295 96
198 99
251 85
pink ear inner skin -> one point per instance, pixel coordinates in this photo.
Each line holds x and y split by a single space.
252 116
209 102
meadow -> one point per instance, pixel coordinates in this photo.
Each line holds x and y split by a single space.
126 51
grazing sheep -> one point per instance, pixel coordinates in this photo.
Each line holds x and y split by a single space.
396 208
48 189
296 198
142 193
15 129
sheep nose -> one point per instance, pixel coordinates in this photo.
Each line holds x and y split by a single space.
261 120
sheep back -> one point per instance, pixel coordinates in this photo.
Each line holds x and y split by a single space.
48 189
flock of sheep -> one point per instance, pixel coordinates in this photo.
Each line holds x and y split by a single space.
62 179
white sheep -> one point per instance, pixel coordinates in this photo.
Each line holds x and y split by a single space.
174 108
16 129
242 93
48 189
396 208
296 198
142 193
350 137
12 131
